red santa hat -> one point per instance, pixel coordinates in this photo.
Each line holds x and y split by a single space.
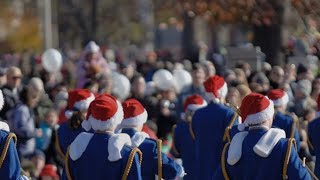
279 97
134 113
193 103
49 170
216 87
78 100
255 109
104 113
91 47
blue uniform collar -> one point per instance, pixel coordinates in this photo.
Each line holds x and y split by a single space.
130 131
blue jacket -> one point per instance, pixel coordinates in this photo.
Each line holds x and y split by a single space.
252 166
209 124
183 145
65 136
286 122
10 169
94 164
314 142
149 166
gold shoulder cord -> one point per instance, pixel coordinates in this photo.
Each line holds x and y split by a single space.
223 162
226 135
173 144
286 161
6 147
130 161
58 147
159 147
66 165
191 130
293 127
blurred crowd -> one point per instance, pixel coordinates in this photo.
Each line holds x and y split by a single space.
35 99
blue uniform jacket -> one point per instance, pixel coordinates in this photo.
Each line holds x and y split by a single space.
94 163
65 136
209 125
10 169
285 122
184 148
149 166
314 142
253 166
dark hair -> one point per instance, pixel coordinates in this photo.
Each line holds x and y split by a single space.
24 95
76 119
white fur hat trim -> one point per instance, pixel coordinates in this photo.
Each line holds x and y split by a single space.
99 125
281 101
135 121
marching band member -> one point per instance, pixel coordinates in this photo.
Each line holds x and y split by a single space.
103 154
208 125
261 152
78 104
154 161
183 137
281 119
314 140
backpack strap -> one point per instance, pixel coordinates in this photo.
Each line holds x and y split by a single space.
159 153
58 147
223 162
130 161
6 147
291 141
226 136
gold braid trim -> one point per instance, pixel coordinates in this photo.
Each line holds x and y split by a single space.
286 161
293 127
159 147
174 148
58 147
130 161
6 147
66 164
223 162
226 135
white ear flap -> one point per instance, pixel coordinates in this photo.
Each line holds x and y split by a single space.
79 145
1 100
235 150
268 141
86 125
138 138
115 145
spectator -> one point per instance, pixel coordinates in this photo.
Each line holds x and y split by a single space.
11 91
3 79
276 77
38 159
47 127
22 121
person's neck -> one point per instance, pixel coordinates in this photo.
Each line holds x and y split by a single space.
105 132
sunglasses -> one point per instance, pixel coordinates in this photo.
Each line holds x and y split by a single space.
16 77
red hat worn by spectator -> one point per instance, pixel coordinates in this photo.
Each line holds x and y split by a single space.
216 87
104 113
78 100
279 97
134 113
193 103
49 170
256 109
